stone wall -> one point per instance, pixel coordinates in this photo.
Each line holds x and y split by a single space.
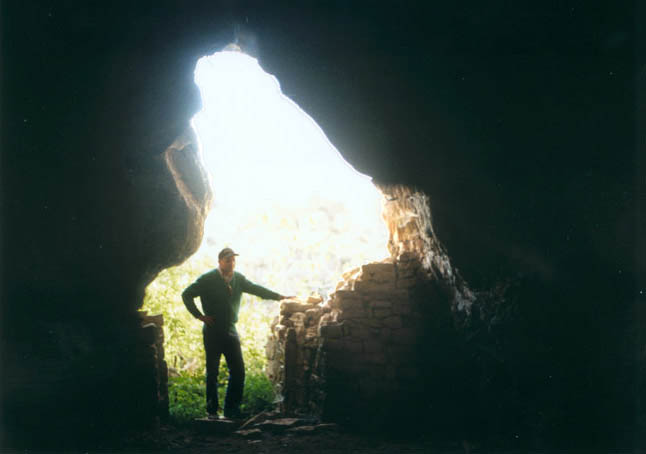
362 354
153 334
108 372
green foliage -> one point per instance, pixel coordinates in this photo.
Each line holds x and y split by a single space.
259 393
183 346
186 395
184 349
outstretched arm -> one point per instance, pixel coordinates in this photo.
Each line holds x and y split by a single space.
262 292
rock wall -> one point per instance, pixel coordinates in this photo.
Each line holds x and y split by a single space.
107 376
74 350
363 353
153 327
93 96
407 213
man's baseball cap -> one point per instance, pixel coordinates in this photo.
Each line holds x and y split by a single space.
226 252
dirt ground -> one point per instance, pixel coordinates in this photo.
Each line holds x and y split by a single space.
192 440
204 439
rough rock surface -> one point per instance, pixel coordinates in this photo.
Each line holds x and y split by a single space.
354 357
520 126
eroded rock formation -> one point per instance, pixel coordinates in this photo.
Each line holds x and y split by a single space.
77 354
519 125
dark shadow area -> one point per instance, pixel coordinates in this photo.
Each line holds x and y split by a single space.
521 122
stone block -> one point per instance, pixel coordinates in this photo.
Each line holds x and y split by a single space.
291 307
353 347
381 312
215 426
273 370
372 323
371 286
404 267
404 336
319 428
343 297
372 346
330 344
149 333
356 329
376 358
331 331
402 308
381 304
279 425
393 294
350 305
312 316
406 282
285 321
325 319
270 349
298 319
407 274
280 331
352 274
314 299
300 333
352 314
377 267
393 322
407 256
345 363
251 434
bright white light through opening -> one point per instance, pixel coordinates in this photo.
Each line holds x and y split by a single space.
285 199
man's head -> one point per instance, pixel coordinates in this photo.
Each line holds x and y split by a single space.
227 260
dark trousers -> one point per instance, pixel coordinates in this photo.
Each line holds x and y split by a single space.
216 344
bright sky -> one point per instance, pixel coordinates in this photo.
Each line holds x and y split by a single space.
285 199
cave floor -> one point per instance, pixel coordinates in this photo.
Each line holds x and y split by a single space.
191 440
172 439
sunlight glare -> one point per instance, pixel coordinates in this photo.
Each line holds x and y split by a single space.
285 198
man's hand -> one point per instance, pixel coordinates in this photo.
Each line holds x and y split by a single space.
207 319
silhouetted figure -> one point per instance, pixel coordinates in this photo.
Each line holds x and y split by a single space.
220 291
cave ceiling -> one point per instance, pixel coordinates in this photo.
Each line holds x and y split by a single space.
516 119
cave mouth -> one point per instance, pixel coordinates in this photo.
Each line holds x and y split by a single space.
285 199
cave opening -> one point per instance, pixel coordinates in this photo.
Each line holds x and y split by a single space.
298 214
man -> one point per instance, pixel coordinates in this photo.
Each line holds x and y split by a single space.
220 291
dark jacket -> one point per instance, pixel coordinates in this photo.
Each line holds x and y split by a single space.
219 301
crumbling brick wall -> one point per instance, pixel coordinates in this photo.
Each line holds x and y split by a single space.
361 354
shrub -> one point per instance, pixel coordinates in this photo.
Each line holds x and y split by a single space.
186 395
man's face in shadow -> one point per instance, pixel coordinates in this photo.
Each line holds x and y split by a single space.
227 264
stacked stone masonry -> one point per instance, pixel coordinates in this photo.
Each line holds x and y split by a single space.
362 345
152 351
